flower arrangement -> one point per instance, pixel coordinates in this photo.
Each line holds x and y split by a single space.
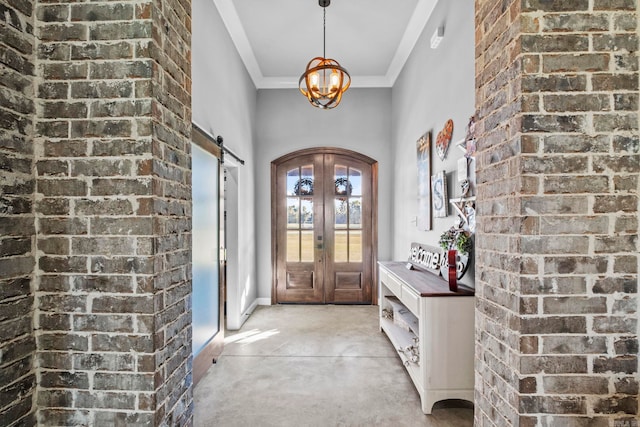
456 238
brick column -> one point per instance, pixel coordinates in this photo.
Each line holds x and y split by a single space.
557 256
170 51
498 75
17 230
113 213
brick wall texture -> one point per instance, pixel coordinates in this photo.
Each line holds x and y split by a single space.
17 229
95 115
557 245
95 213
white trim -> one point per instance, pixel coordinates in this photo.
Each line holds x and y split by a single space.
243 317
248 312
235 28
263 301
416 25
230 161
284 82
371 81
291 83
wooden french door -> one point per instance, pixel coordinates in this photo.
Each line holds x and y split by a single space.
324 228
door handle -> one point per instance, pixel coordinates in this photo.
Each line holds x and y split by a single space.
320 247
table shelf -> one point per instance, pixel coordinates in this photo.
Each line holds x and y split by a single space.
444 331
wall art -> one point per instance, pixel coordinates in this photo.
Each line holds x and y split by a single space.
439 192
465 207
444 139
423 221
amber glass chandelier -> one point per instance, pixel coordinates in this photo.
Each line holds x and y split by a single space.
325 80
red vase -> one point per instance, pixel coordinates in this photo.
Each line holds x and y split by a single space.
453 270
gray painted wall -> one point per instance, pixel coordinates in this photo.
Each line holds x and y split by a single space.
286 122
382 123
435 85
224 103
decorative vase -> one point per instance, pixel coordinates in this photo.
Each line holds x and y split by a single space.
453 270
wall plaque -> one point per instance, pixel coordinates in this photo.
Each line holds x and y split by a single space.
434 260
427 257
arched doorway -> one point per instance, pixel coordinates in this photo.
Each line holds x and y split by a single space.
324 228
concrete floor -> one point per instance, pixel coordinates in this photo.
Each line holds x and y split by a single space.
314 365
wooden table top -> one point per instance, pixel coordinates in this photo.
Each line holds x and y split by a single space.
425 283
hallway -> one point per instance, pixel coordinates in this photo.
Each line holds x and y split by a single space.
314 365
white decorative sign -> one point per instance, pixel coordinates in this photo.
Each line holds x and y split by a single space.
439 195
427 257
435 260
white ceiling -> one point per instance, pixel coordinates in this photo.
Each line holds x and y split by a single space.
372 39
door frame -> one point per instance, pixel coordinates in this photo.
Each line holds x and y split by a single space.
374 211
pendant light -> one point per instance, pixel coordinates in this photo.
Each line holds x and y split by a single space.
325 80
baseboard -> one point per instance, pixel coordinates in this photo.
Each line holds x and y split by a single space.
250 309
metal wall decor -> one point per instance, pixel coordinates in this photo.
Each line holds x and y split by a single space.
444 139
466 210
465 207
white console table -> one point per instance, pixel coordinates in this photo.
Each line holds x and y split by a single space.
432 329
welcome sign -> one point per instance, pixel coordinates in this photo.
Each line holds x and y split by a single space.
428 257
434 260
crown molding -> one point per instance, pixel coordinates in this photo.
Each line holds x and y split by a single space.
419 19
235 28
292 83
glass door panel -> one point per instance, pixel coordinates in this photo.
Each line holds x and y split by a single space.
300 216
306 246
347 214
341 246
355 246
205 248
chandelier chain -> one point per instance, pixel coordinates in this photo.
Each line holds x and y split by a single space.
324 32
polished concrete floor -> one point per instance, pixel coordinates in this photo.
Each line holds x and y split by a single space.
300 365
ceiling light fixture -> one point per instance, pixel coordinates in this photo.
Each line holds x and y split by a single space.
325 80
